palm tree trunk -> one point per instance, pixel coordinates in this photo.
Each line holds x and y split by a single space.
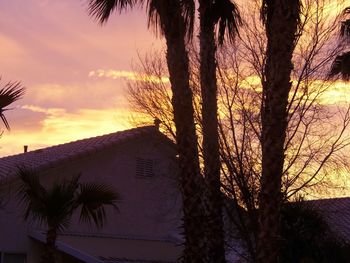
211 155
186 139
50 246
281 26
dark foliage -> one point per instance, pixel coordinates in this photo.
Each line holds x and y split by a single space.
56 205
341 67
102 9
10 93
306 236
227 18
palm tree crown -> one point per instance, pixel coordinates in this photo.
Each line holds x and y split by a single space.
225 15
11 92
56 206
159 13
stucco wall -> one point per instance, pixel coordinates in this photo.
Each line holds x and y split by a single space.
150 207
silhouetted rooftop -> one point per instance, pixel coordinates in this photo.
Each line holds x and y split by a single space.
336 212
51 156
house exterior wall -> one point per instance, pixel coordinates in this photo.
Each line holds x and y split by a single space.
150 208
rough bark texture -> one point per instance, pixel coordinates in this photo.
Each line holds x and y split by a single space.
49 252
281 26
186 139
211 156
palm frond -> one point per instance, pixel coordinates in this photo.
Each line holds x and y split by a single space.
53 207
102 9
341 67
188 11
4 121
157 12
61 202
227 18
93 198
161 15
11 92
32 194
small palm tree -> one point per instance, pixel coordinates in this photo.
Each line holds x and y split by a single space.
11 92
54 207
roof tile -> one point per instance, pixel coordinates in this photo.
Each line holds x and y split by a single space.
50 156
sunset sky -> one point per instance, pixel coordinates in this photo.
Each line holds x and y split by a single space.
73 68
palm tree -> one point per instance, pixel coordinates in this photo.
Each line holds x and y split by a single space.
281 18
223 13
174 20
54 207
11 92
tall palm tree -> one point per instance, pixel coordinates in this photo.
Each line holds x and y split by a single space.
281 18
224 14
174 20
54 207
11 92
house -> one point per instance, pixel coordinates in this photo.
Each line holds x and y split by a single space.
140 163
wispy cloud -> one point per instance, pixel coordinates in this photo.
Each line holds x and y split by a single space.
129 75
48 111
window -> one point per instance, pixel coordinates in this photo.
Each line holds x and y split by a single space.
13 258
144 167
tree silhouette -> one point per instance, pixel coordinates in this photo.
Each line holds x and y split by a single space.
312 154
224 15
174 20
281 19
54 207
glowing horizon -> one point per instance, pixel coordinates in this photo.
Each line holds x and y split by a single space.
55 59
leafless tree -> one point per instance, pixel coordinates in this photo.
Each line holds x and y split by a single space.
316 132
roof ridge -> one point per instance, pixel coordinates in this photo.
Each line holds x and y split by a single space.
328 199
80 140
53 155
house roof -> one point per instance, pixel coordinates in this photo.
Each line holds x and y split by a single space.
336 212
51 156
